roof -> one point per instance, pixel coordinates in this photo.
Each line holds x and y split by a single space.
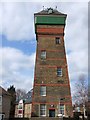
50 11
26 101
27 98
4 92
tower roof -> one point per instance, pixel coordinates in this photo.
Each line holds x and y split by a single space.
50 11
49 16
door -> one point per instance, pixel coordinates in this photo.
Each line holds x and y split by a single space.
52 113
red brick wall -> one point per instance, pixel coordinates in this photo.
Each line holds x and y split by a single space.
46 70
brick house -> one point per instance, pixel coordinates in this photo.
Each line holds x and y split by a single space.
5 103
23 110
51 91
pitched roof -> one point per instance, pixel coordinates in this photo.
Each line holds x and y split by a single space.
50 11
27 98
4 92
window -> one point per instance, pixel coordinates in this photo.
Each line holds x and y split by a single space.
43 54
50 11
58 40
0 100
20 111
20 106
78 109
42 110
60 81
59 71
61 109
2 116
43 90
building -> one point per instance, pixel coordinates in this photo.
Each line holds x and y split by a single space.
23 109
5 103
51 91
23 105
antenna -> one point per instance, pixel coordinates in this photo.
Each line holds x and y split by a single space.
56 7
43 7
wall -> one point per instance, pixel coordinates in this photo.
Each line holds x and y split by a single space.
27 110
6 104
46 71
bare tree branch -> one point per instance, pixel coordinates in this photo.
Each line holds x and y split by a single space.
81 90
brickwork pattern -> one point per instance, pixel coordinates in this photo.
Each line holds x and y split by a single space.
46 71
6 104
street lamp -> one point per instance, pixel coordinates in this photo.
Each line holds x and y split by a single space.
84 111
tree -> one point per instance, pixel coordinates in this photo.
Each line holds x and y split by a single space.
20 94
81 90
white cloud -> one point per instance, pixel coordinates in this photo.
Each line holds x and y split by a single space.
78 64
18 17
17 21
76 39
17 68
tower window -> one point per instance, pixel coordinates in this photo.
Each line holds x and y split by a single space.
61 107
43 90
60 81
58 40
50 10
42 110
43 54
59 71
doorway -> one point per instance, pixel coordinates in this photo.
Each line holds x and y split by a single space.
52 113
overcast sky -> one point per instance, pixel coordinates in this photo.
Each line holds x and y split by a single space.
19 41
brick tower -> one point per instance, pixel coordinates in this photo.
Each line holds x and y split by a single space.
51 92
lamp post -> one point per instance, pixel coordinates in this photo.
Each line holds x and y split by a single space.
84 111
